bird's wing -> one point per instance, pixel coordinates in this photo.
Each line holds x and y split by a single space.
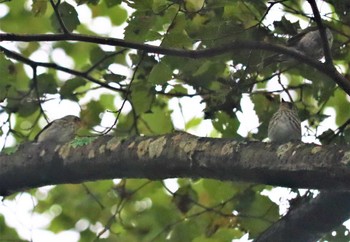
293 41
43 130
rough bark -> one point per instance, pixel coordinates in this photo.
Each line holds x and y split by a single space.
177 155
183 155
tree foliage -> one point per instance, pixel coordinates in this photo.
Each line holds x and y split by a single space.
171 50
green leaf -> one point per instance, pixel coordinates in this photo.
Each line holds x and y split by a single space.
178 89
177 40
341 235
284 26
194 122
194 5
117 14
7 231
209 186
159 5
9 151
203 68
27 123
339 101
160 74
258 212
8 74
225 124
141 99
107 101
94 2
114 78
39 7
68 88
69 17
111 3
158 122
185 231
91 113
97 55
82 141
142 27
27 108
46 83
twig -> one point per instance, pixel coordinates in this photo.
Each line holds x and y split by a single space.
58 16
106 57
126 94
36 89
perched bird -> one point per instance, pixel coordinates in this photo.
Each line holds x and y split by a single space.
285 124
60 130
308 42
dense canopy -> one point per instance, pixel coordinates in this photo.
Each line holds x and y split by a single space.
155 67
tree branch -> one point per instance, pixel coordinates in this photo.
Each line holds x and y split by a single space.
177 155
310 221
237 45
33 64
184 155
322 29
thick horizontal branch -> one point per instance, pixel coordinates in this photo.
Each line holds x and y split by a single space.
176 155
237 45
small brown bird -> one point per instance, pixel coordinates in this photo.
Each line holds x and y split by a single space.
285 124
60 130
308 42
